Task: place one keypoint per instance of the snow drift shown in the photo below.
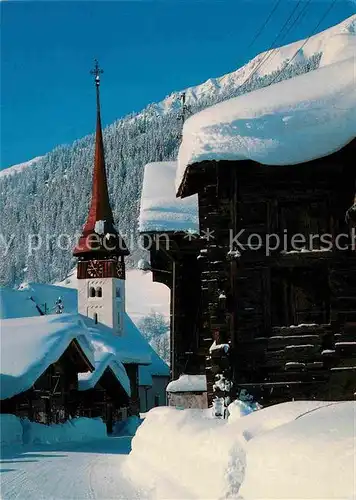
(16, 432)
(75, 430)
(10, 430)
(291, 451)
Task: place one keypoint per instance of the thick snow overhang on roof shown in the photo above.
(132, 347)
(188, 383)
(104, 360)
(295, 121)
(30, 345)
(160, 210)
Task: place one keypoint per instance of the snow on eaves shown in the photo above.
(291, 122)
(188, 383)
(30, 345)
(104, 360)
(160, 210)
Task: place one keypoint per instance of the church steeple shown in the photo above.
(99, 236)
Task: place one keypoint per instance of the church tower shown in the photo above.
(100, 249)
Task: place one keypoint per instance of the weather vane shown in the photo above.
(96, 72)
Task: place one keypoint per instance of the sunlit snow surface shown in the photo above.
(300, 450)
(291, 122)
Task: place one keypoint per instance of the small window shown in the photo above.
(118, 293)
(99, 292)
(91, 291)
(95, 317)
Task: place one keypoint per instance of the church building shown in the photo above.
(100, 249)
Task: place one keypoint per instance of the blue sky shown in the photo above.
(147, 49)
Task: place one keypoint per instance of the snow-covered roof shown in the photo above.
(291, 122)
(30, 345)
(129, 347)
(45, 296)
(160, 210)
(132, 347)
(103, 360)
(15, 305)
(188, 383)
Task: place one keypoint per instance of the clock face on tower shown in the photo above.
(95, 269)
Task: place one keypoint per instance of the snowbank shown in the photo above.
(10, 430)
(75, 430)
(160, 210)
(290, 451)
(185, 454)
(291, 122)
(312, 457)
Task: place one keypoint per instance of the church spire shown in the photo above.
(99, 234)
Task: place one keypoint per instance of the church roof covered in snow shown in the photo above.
(160, 210)
(295, 121)
(132, 347)
(30, 345)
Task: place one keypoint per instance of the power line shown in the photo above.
(260, 31)
(306, 40)
(272, 50)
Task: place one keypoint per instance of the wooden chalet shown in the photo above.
(283, 317)
(39, 377)
(169, 228)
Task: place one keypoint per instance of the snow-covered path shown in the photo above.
(68, 472)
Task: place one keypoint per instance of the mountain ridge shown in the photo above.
(49, 200)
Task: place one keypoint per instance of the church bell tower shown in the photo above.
(100, 249)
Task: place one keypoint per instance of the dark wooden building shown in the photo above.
(50, 389)
(286, 310)
(105, 394)
(169, 228)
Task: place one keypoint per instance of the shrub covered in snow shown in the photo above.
(10, 430)
(77, 429)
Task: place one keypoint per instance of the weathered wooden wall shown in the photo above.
(54, 395)
(251, 298)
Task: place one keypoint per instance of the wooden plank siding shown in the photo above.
(253, 300)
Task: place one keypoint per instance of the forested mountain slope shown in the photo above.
(46, 203)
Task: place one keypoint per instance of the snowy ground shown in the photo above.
(68, 471)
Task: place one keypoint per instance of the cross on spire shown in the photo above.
(97, 71)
